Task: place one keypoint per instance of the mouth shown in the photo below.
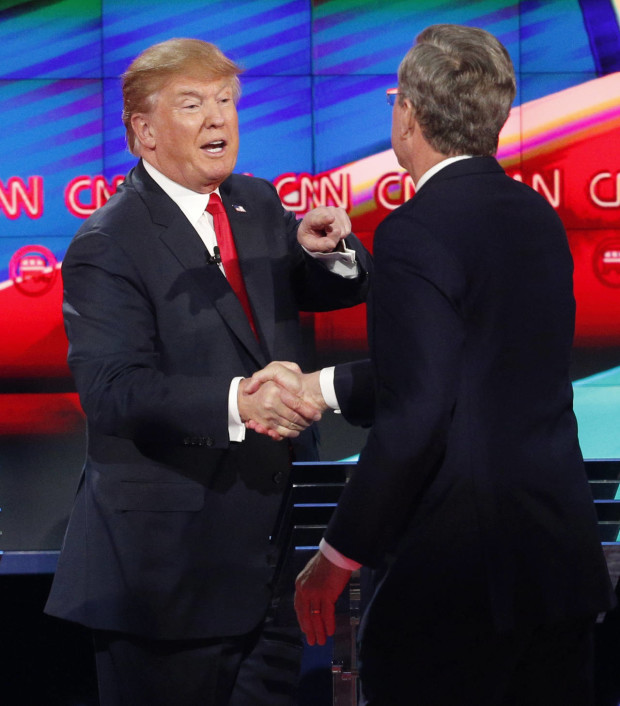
(214, 147)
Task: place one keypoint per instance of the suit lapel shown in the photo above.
(253, 253)
(186, 245)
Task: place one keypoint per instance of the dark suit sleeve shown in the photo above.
(319, 289)
(316, 287)
(417, 338)
(355, 392)
(116, 357)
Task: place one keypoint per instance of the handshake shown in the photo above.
(280, 401)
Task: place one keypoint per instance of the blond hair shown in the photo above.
(154, 67)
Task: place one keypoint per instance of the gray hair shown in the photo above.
(461, 84)
(154, 67)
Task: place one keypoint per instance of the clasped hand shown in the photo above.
(280, 401)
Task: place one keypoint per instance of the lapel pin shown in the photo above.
(238, 208)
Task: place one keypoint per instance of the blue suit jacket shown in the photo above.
(170, 532)
(472, 485)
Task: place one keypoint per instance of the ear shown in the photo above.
(143, 130)
(408, 120)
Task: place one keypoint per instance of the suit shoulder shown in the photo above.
(533, 196)
(408, 238)
(402, 222)
(251, 185)
(407, 234)
(247, 194)
(117, 208)
(124, 212)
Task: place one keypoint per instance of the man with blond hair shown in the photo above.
(180, 287)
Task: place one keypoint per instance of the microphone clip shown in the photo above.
(214, 259)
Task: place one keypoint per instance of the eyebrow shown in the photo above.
(190, 93)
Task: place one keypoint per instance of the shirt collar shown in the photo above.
(437, 168)
(190, 202)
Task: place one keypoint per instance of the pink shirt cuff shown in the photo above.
(337, 558)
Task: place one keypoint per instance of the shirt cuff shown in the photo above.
(326, 381)
(339, 263)
(236, 428)
(336, 557)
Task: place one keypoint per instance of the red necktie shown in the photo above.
(228, 253)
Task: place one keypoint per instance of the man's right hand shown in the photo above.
(275, 402)
(299, 391)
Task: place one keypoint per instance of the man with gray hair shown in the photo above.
(470, 497)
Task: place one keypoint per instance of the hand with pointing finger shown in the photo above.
(323, 228)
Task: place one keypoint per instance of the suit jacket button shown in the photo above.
(209, 441)
(278, 477)
(187, 442)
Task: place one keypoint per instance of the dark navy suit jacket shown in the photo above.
(471, 487)
(170, 533)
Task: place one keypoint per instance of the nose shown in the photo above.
(214, 115)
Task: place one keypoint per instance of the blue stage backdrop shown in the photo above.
(314, 121)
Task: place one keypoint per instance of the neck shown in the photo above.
(423, 157)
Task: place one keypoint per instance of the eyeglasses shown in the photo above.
(391, 95)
